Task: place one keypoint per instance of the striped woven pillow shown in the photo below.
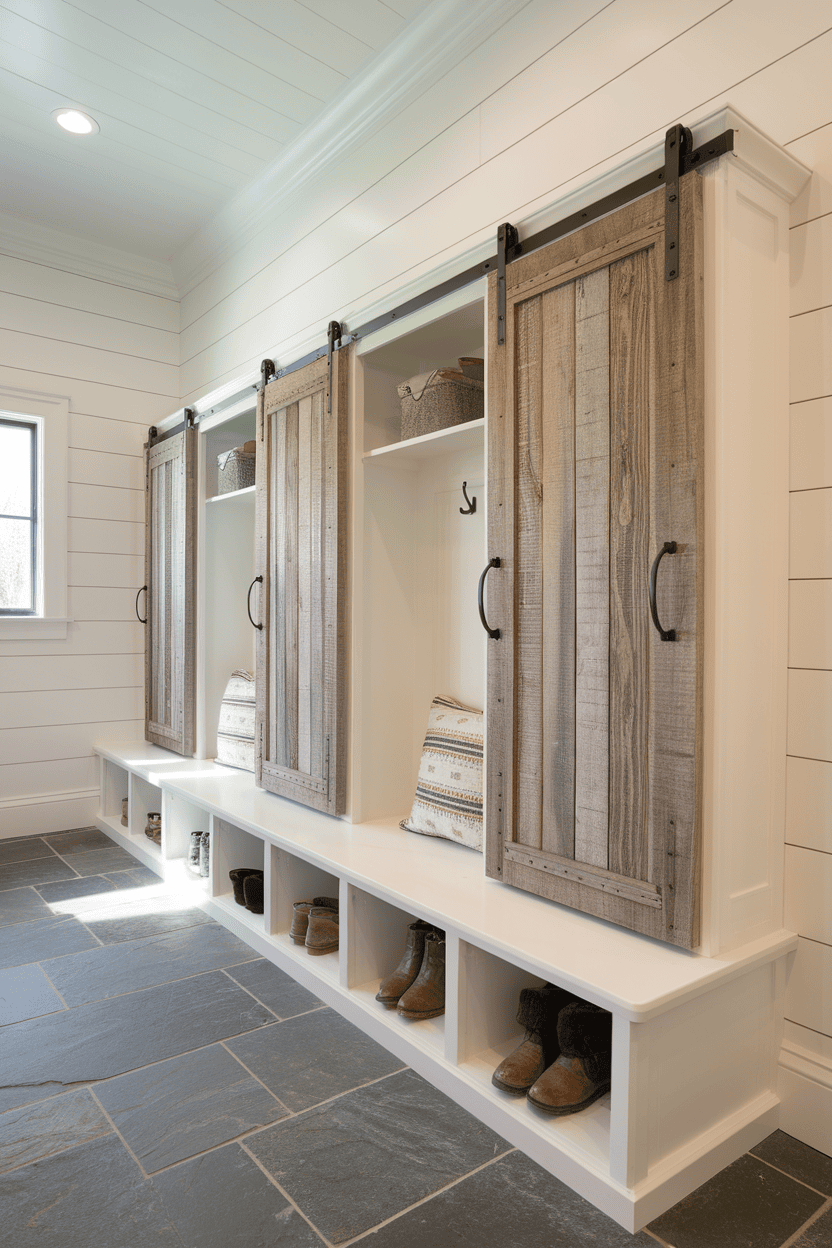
(448, 800)
(235, 731)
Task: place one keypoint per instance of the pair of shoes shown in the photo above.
(417, 986)
(315, 924)
(247, 883)
(564, 1061)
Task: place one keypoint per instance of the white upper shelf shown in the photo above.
(467, 437)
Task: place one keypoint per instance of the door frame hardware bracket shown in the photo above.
(267, 371)
(507, 240)
(189, 415)
(152, 435)
(678, 143)
(333, 335)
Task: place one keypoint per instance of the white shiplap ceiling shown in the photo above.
(195, 99)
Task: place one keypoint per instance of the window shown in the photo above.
(34, 429)
(19, 533)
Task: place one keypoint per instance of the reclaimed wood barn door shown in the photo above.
(301, 555)
(595, 461)
(170, 572)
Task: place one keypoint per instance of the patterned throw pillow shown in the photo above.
(235, 731)
(448, 800)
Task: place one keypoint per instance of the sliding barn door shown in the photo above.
(595, 461)
(301, 555)
(170, 570)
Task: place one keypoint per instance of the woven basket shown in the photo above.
(439, 400)
(235, 468)
(472, 366)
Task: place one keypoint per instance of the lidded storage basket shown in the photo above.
(438, 400)
(235, 468)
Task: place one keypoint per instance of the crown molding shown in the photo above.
(435, 41)
(39, 244)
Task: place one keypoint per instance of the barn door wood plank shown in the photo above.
(264, 644)
(557, 565)
(529, 575)
(631, 401)
(592, 560)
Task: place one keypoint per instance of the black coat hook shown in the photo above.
(472, 502)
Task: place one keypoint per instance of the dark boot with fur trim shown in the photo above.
(582, 1071)
(538, 1013)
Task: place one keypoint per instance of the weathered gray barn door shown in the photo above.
(595, 461)
(170, 571)
(301, 556)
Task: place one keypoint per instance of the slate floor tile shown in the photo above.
(797, 1159)
(136, 877)
(36, 871)
(366, 1156)
(48, 1127)
(312, 1058)
(79, 840)
(512, 1203)
(22, 905)
(97, 861)
(747, 1203)
(195, 1197)
(91, 1042)
(70, 890)
(24, 850)
(130, 965)
(182, 1107)
(117, 921)
(93, 1195)
(25, 992)
(818, 1235)
(44, 938)
(274, 988)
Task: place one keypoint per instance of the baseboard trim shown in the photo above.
(38, 814)
(805, 1086)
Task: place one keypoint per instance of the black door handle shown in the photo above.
(666, 634)
(493, 633)
(138, 595)
(248, 600)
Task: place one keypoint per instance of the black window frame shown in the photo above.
(32, 519)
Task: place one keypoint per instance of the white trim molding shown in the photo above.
(430, 46)
(25, 240)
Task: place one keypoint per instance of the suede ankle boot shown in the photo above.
(405, 973)
(253, 892)
(300, 916)
(425, 998)
(322, 931)
(582, 1071)
(236, 876)
(538, 1014)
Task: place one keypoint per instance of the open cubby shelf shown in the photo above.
(667, 1004)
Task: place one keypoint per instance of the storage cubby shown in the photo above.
(294, 879)
(226, 557)
(144, 798)
(487, 1031)
(234, 847)
(115, 785)
(179, 819)
(377, 937)
(421, 559)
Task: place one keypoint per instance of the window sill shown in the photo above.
(36, 627)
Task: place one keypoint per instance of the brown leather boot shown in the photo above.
(582, 1071)
(394, 985)
(300, 916)
(425, 998)
(538, 1014)
(322, 932)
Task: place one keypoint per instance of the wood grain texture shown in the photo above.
(592, 568)
(170, 571)
(556, 556)
(677, 475)
(528, 359)
(631, 402)
(303, 705)
(262, 567)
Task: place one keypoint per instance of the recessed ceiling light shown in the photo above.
(76, 122)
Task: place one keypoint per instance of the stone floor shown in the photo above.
(160, 1083)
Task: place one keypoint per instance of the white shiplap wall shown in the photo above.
(113, 351)
(807, 1056)
(552, 100)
